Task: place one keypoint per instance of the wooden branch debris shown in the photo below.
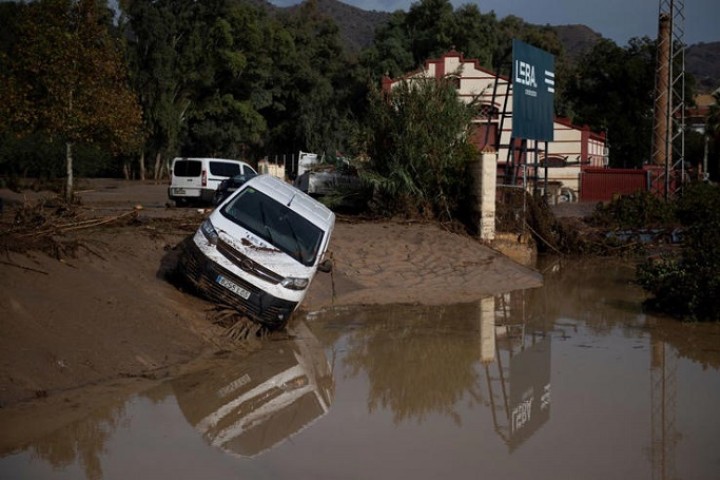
(42, 227)
(29, 269)
(83, 224)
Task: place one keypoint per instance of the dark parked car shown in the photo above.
(227, 187)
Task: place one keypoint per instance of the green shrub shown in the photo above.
(639, 210)
(688, 284)
(419, 150)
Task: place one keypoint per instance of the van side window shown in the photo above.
(222, 169)
(187, 168)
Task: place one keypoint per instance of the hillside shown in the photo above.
(703, 61)
(357, 27)
(577, 39)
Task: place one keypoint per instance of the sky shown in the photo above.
(618, 20)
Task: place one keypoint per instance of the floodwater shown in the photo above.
(567, 381)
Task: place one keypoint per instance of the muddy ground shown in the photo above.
(99, 309)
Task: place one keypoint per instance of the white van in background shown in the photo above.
(194, 180)
(258, 251)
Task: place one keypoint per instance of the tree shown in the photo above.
(164, 58)
(432, 27)
(612, 91)
(225, 118)
(430, 24)
(390, 52)
(67, 78)
(419, 148)
(476, 34)
(200, 70)
(223, 78)
(312, 85)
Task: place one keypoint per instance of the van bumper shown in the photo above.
(204, 195)
(207, 195)
(260, 306)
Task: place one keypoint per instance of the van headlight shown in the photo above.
(209, 231)
(295, 283)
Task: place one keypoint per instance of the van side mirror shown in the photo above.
(326, 266)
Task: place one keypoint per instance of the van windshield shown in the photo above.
(276, 224)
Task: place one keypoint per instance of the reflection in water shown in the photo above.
(82, 442)
(670, 342)
(518, 376)
(528, 407)
(496, 352)
(663, 407)
(431, 366)
(248, 406)
(442, 355)
(699, 342)
(599, 293)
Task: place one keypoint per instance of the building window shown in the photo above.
(488, 110)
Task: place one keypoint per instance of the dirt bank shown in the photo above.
(108, 310)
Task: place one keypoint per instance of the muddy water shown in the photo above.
(570, 380)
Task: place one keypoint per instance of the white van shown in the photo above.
(259, 250)
(196, 179)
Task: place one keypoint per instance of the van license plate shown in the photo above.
(179, 191)
(233, 287)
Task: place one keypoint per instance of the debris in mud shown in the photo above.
(43, 226)
(53, 226)
(238, 327)
(520, 213)
(156, 227)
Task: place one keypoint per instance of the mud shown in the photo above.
(107, 308)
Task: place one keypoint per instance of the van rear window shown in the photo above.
(187, 168)
(222, 169)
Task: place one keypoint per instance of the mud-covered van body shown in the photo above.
(259, 249)
(196, 179)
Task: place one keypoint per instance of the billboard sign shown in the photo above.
(533, 86)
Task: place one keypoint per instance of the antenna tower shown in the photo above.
(668, 142)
